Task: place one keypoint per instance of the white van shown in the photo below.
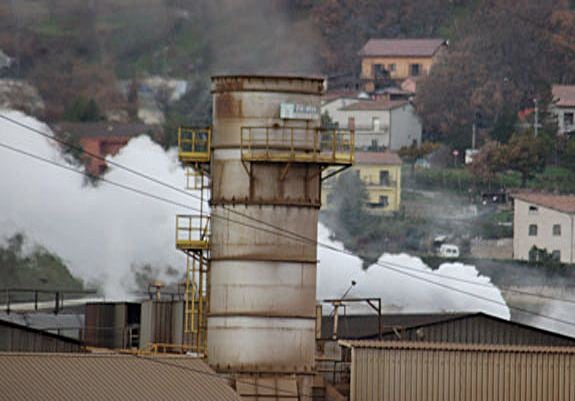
(449, 251)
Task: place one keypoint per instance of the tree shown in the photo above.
(488, 162)
(83, 110)
(411, 154)
(485, 70)
(525, 154)
(349, 198)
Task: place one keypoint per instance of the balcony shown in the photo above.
(194, 145)
(192, 232)
(299, 145)
(379, 184)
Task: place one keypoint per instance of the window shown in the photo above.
(533, 209)
(379, 71)
(415, 69)
(391, 67)
(568, 119)
(384, 178)
(374, 144)
(533, 230)
(383, 201)
(533, 254)
(556, 229)
(556, 255)
(375, 124)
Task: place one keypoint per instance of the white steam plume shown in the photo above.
(100, 232)
(336, 271)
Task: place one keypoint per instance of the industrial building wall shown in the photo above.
(440, 372)
(162, 322)
(480, 330)
(14, 339)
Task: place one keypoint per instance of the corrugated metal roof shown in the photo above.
(361, 326)
(99, 377)
(401, 47)
(412, 345)
(476, 328)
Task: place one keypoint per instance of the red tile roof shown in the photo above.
(104, 128)
(561, 203)
(383, 158)
(564, 95)
(401, 47)
(375, 105)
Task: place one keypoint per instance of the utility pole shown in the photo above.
(473, 133)
(536, 125)
(17, 36)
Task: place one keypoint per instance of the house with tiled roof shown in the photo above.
(563, 107)
(385, 60)
(378, 124)
(544, 223)
(101, 138)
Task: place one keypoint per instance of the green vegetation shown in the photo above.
(461, 180)
(364, 232)
(34, 268)
(83, 110)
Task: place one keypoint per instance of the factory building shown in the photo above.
(402, 371)
(461, 328)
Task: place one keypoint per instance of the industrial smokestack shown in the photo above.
(267, 159)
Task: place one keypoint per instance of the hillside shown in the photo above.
(506, 53)
(29, 266)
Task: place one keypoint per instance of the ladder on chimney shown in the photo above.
(193, 236)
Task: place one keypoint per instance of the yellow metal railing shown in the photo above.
(196, 303)
(157, 348)
(196, 179)
(304, 145)
(194, 144)
(192, 232)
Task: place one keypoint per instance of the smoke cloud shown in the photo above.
(100, 232)
(336, 271)
(260, 36)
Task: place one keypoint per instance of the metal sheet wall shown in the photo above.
(454, 374)
(14, 339)
(480, 330)
(161, 322)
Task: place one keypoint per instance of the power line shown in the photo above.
(292, 235)
(129, 188)
(382, 264)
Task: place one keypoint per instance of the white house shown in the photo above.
(331, 104)
(564, 107)
(379, 124)
(546, 222)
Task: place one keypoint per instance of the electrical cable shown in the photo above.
(292, 234)
(382, 264)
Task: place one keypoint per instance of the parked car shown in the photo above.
(449, 251)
